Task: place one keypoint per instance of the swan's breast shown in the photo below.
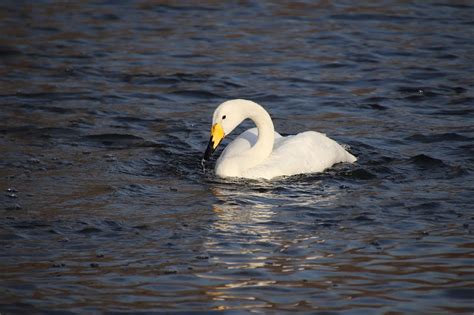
(228, 167)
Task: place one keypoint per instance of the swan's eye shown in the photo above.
(223, 117)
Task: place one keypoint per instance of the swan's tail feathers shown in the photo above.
(351, 158)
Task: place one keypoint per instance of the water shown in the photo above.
(105, 112)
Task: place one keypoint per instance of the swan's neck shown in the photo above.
(266, 135)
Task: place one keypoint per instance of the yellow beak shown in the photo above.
(217, 134)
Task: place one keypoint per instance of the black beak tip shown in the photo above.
(209, 151)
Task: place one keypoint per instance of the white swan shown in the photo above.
(263, 153)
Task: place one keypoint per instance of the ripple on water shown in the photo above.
(105, 117)
(117, 141)
(451, 136)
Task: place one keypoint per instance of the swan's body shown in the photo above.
(263, 153)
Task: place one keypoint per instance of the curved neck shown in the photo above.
(266, 133)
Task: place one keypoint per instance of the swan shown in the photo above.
(262, 153)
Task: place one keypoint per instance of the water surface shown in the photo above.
(105, 112)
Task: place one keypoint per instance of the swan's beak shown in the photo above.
(217, 134)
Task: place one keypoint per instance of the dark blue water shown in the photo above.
(105, 110)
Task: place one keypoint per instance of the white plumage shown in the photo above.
(263, 153)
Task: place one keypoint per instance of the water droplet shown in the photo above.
(34, 161)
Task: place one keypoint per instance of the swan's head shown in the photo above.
(226, 117)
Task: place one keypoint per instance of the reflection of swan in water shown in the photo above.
(259, 213)
(249, 218)
(258, 237)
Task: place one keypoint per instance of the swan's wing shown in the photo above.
(243, 142)
(306, 152)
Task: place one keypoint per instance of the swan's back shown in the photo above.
(306, 152)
